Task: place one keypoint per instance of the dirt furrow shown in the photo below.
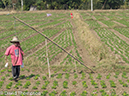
(103, 25)
(93, 18)
(116, 55)
(120, 24)
(57, 60)
(2, 31)
(88, 14)
(120, 35)
(96, 34)
(41, 45)
(29, 37)
(59, 23)
(106, 18)
(11, 35)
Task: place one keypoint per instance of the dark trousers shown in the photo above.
(16, 71)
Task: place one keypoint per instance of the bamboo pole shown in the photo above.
(15, 26)
(47, 59)
(53, 43)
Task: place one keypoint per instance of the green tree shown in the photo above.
(7, 3)
(1, 4)
(112, 4)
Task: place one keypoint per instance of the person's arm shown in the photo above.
(7, 61)
(7, 53)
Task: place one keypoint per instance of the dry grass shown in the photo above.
(35, 26)
(2, 28)
(20, 27)
(98, 51)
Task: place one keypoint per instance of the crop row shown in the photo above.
(42, 82)
(34, 17)
(21, 27)
(119, 75)
(113, 17)
(119, 13)
(65, 39)
(93, 24)
(125, 17)
(110, 15)
(86, 17)
(31, 42)
(125, 22)
(31, 17)
(5, 42)
(123, 31)
(110, 23)
(18, 25)
(35, 40)
(115, 43)
(52, 48)
(100, 18)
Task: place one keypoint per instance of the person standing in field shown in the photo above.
(16, 53)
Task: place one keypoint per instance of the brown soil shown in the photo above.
(96, 35)
(78, 88)
(103, 25)
(106, 18)
(41, 45)
(88, 14)
(121, 36)
(93, 18)
(59, 58)
(120, 24)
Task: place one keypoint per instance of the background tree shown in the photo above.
(1, 4)
(112, 4)
(66, 4)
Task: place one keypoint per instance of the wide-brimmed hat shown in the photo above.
(15, 39)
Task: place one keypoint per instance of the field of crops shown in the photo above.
(68, 77)
(65, 84)
(116, 20)
(57, 26)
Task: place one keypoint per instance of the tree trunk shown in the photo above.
(13, 6)
(104, 4)
(22, 5)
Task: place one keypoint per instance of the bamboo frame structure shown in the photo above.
(54, 43)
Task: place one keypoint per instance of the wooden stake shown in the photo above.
(47, 59)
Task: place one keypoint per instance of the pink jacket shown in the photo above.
(16, 54)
